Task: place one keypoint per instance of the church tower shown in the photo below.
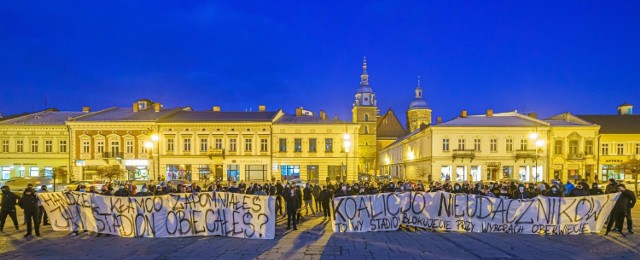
(419, 113)
(365, 113)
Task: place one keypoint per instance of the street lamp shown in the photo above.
(346, 143)
(539, 143)
(150, 145)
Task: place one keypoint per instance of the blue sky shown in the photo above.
(534, 56)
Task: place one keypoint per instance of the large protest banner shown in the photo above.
(174, 215)
(470, 213)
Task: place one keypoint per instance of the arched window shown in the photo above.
(366, 117)
(366, 129)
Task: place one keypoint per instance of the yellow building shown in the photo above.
(33, 144)
(365, 113)
(572, 145)
(477, 147)
(418, 113)
(315, 148)
(619, 141)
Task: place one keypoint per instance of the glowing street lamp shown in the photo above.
(346, 143)
(539, 143)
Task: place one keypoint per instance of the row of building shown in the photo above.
(149, 141)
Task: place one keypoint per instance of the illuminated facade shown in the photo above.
(365, 113)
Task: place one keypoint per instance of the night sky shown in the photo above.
(533, 56)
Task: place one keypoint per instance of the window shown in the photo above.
(620, 149)
(115, 148)
(204, 144)
(637, 148)
(34, 171)
(366, 130)
(366, 117)
(248, 144)
(100, 146)
(588, 147)
(573, 147)
(232, 145)
(557, 147)
(5, 146)
(461, 144)
(48, 146)
(290, 172)
(328, 145)
(85, 146)
(297, 145)
(218, 143)
(170, 145)
(264, 145)
(63, 146)
(524, 143)
(34, 146)
(605, 149)
(19, 146)
(282, 144)
(129, 146)
(445, 145)
(494, 145)
(312, 145)
(187, 145)
(204, 172)
(476, 144)
(256, 172)
(509, 145)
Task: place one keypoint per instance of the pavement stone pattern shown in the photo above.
(315, 239)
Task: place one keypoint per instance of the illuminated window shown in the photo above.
(297, 145)
(328, 145)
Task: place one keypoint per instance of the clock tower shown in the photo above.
(365, 113)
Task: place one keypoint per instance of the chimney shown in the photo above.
(438, 120)
(489, 112)
(533, 115)
(216, 108)
(156, 107)
(262, 108)
(323, 115)
(299, 111)
(135, 107)
(463, 113)
(86, 109)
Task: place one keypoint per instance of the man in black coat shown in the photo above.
(279, 192)
(619, 210)
(325, 200)
(632, 203)
(611, 187)
(293, 204)
(316, 196)
(8, 207)
(29, 202)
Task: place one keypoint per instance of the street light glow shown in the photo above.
(540, 143)
(533, 136)
(148, 145)
(155, 137)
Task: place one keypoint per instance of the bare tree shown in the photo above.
(631, 167)
(110, 172)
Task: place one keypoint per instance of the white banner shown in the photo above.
(174, 215)
(470, 213)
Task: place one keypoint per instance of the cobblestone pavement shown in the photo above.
(316, 240)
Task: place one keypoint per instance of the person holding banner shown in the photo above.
(29, 202)
(619, 210)
(8, 207)
(42, 214)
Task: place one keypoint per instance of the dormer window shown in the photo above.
(142, 105)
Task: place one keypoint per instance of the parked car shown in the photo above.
(298, 183)
(382, 178)
(74, 185)
(364, 177)
(18, 185)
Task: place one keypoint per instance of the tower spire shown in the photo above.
(419, 89)
(364, 77)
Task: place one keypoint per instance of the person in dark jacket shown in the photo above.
(144, 192)
(293, 204)
(457, 188)
(325, 200)
(298, 192)
(521, 193)
(504, 193)
(612, 186)
(343, 191)
(619, 210)
(122, 192)
(595, 190)
(29, 202)
(316, 196)
(579, 191)
(8, 207)
(630, 205)
(554, 192)
(308, 199)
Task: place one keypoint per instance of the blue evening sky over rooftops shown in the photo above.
(544, 56)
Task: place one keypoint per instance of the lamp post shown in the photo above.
(150, 145)
(539, 143)
(346, 143)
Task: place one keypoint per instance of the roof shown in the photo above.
(124, 114)
(508, 119)
(615, 124)
(46, 117)
(219, 116)
(306, 119)
(625, 104)
(389, 126)
(567, 119)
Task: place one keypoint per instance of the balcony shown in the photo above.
(526, 154)
(576, 157)
(462, 154)
(216, 153)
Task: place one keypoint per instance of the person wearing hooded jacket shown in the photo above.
(521, 193)
(579, 191)
(619, 210)
(554, 192)
(8, 207)
(457, 188)
(595, 190)
(29, 202)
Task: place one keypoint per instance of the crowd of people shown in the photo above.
(293, 198)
